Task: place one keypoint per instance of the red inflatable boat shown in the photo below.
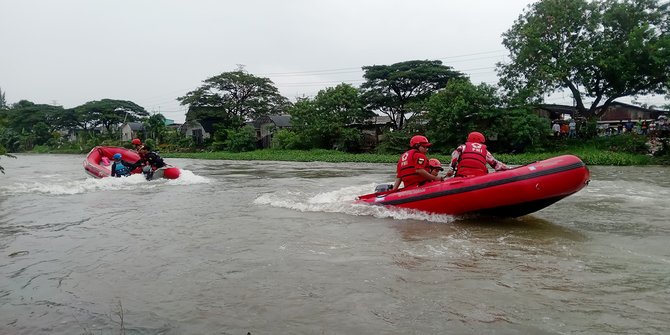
(98, 163)
(509, 193)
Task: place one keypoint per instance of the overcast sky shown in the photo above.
(68, 52)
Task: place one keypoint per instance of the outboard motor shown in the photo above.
(383, 188)
(148, 172)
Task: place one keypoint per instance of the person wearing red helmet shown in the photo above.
(434, 166)
(470, 159)
(412, 168)
(137, 143)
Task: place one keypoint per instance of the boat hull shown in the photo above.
(512, 193)
(99, 160)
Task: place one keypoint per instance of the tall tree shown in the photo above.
(3, 101)
(25, 115)
(601, 49)
(461, 108)
(393, 89)
(155, 126)
(108, 112)
(231, 98)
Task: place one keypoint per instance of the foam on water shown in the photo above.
(55, 185)
(188, 178)
(343, 201)
(626, 191)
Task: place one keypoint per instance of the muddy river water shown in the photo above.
(237, 247)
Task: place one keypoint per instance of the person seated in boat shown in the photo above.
(137, 144)
(121, 168)
(150, 160)
(412, 168)
(149, 157)
(434, 166)
(470, 159)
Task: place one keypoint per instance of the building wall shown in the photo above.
(621, 112)
(266, 129)
(196, 131)
(127, 133)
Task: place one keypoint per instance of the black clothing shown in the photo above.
(154, 160)
(151, 162)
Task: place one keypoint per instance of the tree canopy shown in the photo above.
(602, 50)
(394, 89)
(463, 107)
(155, 126)
(3, 100)
(231, 98)
(24, 115)
(108, 112)
(323, 121)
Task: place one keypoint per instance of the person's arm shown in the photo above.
(455, 155)
(129, 165)
(114, 169)
(426, 175)
(139, 162)
(396, 184)
(495, 164)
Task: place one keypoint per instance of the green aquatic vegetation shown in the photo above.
(291, 155)
(590, 156)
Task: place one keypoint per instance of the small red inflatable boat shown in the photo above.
(509, 193)
(98, 163)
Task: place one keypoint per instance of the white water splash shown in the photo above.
(62, 187)
(343, 201)
(188, 178)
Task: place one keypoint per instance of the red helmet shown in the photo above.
(419, 140)
(136, 141)
(434, 163)
(476, 137)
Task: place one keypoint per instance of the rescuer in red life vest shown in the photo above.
(470, 159)
(412, 166)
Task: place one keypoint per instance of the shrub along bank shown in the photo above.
(614, 150)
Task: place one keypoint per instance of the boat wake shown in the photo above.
(55, 185)
(343, 201)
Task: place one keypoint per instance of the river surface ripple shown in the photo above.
(237, 247)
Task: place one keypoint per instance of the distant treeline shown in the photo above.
(577, 46)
